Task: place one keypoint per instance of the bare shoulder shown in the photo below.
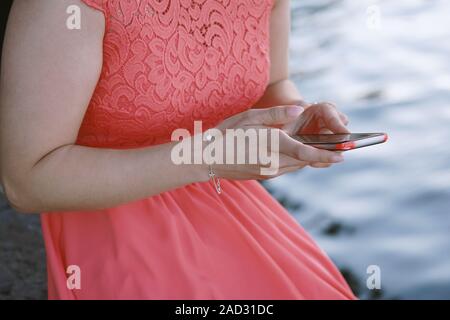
(54, 17)
(49, 71)
(41, 33)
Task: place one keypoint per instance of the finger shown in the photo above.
(286, 161)
(300, 151)
(331, 104)
(319, 165)
(344, 118)
(273, 116)
(303, 103)
(301, 122)
(333, 121)
(311, 154)
(280, 161)
(325, 131)
(290, 169)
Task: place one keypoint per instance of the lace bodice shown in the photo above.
(168, 63)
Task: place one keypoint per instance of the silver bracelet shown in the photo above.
(215, 180)
(212, 176)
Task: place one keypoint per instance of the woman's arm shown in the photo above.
(48, 76)
(281, 90)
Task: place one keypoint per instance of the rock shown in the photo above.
(6, 281)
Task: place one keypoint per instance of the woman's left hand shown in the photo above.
(319, 118)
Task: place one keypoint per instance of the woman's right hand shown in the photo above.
(292, 154)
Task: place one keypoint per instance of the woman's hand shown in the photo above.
(293, 155)
(319, 118)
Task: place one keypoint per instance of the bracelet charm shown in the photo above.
(215, 180)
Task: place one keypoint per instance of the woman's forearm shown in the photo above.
(283, 92)
(74, 178)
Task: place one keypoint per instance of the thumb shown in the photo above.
(279, 115)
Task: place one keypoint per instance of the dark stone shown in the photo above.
(6, 281)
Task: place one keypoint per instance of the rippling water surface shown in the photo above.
(387, 65)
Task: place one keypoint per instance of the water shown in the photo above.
(388, 205)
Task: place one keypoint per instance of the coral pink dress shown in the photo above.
(166, 64)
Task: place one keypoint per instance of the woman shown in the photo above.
(86, 121)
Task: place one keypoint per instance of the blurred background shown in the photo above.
(386, 64)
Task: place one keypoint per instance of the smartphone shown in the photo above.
(342, 141)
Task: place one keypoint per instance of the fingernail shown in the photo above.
(295, 111)
(337, 158)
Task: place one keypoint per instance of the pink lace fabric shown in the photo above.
(170, 62)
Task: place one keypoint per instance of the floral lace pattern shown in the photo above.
(168, 63)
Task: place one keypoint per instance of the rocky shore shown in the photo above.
(22, 255)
